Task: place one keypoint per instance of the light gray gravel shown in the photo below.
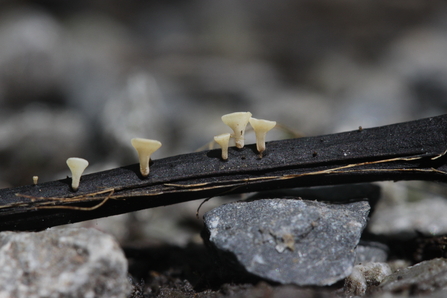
(71, 262)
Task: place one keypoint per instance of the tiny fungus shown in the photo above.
(77, 167)
(223, 141)
(35, 179)
(261, 127)
(237, 122)
(145, 148)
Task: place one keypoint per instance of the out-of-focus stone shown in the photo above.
(426, 216)
(368, 251)
(418, 52)
(96, 60)
(364, 277)
(38, 141)
(366, 105)
(62, 263)
(307, 113)
(424, 277)
(136, 110)
(288, 240)
(416, 56)
(32, 57)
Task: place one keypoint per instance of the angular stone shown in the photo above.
(69, 262)
(288, 240)
(424, 277)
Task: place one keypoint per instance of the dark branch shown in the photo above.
(406, 151)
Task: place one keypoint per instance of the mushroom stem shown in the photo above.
(261, 127)
(237, 122)
(144, 164)
(77, 167)
(223, 141)
(145, 148)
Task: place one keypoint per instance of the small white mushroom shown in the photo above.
(261, 127)
(77, 167)
(237, 122)
(35, 179)
(145, 148)
(223, 141)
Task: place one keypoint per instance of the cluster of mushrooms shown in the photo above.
(238, 122)
(145, 147)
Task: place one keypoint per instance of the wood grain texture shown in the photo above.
(406, 151)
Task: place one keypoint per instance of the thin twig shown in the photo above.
(414, 150)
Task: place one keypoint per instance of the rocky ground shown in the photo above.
(83, 78)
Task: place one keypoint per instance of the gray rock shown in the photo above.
(288, 240)
(424, 277)
(62, 263)
(369, 251)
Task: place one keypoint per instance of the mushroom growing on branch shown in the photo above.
(261, 127)
(145, 148)
(77, 167)
(223, 141)
(237, 122)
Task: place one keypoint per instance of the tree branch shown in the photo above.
(413, 150)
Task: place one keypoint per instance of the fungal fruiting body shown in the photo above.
(261, 127)
(35, 179)
(145, 148)
(237, 122)
(77, 167)
(223, 141)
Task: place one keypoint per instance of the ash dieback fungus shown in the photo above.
(77, 166)
(261, 127)
(145, 148)
(223, 140)
(237, 122)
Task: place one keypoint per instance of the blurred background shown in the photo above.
(81, 78)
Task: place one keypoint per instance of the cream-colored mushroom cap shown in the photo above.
(145, 148)
(223, 141)
(237, 122)
(261, 127)
(77, 166)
